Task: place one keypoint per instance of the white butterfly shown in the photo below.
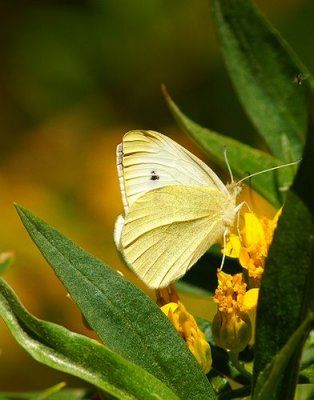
(175, 207)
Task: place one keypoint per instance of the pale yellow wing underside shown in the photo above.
(147, 160)
(167, 229)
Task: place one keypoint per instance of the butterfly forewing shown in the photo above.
(167, 229)
(148, 160)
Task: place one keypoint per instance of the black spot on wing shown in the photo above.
(154, 176)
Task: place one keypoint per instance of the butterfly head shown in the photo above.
(234, 188)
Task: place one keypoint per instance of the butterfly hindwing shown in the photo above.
(167, 229)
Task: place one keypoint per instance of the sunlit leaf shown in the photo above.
(243, 159)
(65, 394)
(47, 394)
(286, 293)
(264, 72)
(267, 382)
(307, 375)
(78, 355)
(124, 318)
(6, 260)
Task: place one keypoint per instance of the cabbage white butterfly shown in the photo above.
(175, 207)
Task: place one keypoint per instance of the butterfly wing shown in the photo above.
(147, 160)
(167, 229)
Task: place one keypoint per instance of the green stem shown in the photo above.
(234, 359)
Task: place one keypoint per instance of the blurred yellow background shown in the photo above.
(75, 76)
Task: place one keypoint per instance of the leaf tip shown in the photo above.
(20, 210)
(164, 91)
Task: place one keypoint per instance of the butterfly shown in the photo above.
(175, 207)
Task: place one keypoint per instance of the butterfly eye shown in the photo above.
(153, 176)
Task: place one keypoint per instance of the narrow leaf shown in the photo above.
(266, 75)
(78, 355)
(65, 394)
(267, 381)
(286, 293)
(188, 288)
(6, 260)
(307, 375)
(48, 393)
(243, 159)
(124, 318)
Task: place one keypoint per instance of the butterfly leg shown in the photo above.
(237, 210)
(224, 252)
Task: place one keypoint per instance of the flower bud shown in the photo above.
(187, 327)
(232, 331)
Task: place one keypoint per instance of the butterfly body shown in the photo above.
(175, 207)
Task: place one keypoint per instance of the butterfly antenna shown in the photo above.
(269, 169)
(227, 163)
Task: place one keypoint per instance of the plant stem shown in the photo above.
(234, 359)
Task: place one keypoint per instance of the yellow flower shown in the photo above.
(250, 302)
(233, 246)
(230, 292)
(231, 324)
(253, 245)
(187, 327)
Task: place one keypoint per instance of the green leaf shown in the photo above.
(264, 72)
(65, 394)
(243, 159)
(308, 352)
(78, 355)
(6, 260)
(307, 375)
(305, 392)
(188, 288)
(124, 318)
(48, 393)
(206, 328)
(220, 383)
(286, 293)
(74, 394)
(267, 381)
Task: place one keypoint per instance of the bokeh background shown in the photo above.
(74, 76)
